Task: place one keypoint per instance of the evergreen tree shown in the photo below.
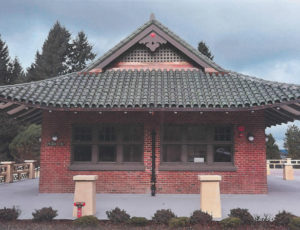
(53, 59)
(16, 72)
(272, 148)
(81, 53)
(4, 64)
(203, 48)
(292, 141)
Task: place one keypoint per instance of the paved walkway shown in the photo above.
(283, 195)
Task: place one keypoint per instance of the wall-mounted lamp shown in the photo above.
(54, 137)
(267, 139)
(250, 137)
(40, 139)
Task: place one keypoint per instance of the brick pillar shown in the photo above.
(31, 168)
(210, 195)
(85, 191)
(9, 171)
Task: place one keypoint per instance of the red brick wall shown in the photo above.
(249, 158)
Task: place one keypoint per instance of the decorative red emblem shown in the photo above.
(152, 35)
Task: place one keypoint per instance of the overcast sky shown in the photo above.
(260, 38)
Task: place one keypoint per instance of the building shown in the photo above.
(154, 98)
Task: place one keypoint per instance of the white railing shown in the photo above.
(278, 163)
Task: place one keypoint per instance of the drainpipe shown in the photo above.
(153, 176)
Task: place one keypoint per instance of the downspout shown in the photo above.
(153, 176)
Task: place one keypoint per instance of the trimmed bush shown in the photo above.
(179, 222)
(8, 214)
(163, 216)
(199, 217)
(231, 222)
(283, 218)
(86, 221)
(242, 214)
(294, 223)
(44, 214)
(118, 216)
(138, 221)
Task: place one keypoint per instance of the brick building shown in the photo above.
(154, 98)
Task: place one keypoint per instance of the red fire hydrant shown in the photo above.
(79, 206)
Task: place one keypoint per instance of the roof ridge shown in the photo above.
(253, 78)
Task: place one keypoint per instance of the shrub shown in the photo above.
(294, 223)
(283, 218)
(44, 214)
(243, 214)
(7, 214)
(179, 222)
(199, 217)
(118, 216)
(138, 221)
(231, 222)
(86, 221)
(163, 216)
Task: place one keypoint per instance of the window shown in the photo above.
(108, 144)
(197, 144)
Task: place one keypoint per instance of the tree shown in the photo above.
(272, 148)
(81, 53)
(292, 141)
(8, 130)
(53, 59)
(16, 72)
(203, 48)
(26, 144)
(4, 63)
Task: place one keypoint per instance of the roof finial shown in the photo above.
(152, 17)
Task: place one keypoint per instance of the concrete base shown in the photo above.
(85, 191)
(288, 172)
(210, 195)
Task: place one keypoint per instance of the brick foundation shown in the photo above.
(249, 158)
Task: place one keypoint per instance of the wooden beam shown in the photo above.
(29, 111)
(290, 110)
(275, 117)
(4, 106)
(16, 110)
(287, 116)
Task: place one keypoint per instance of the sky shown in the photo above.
(255, 37)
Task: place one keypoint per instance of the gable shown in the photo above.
(153, 38)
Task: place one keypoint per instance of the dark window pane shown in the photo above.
(133, 133)
(132, 153)
(172, 133)
(222, 154)
(196, 153)
(223, 133)
(82, 152)
(196, 133)
(107, 133)
(172, 153)
(82, 134)
(107, 153)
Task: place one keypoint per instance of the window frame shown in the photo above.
(95, 164)
(210, 143)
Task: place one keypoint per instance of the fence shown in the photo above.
(278, 163)
(12, 172)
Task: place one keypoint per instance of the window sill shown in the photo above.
(107, 167)
(218, 167)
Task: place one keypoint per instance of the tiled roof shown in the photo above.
(167, 31)
(151, 89)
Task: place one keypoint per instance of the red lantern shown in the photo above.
(241, 130)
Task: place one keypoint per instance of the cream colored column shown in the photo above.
(210, 195)
(85, 191)
(288, 171)
(9, 171)
(31, 168)
(268, 167)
